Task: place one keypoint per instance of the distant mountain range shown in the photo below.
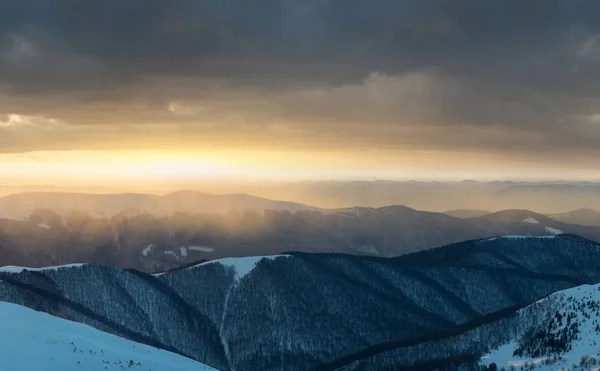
(587, 217)
(461, 305)
(541, 197)
(465, 213)
(18, 206)
(154, 233)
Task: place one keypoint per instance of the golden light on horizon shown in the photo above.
(146, 170)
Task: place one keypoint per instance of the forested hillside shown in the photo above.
(302, 311)
(133, 238)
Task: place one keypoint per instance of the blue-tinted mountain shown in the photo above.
(303, 311)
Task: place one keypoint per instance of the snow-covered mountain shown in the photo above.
(302, 311)
(566, 334)
(36, 341)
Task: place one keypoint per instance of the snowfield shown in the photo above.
(37, 341)
(579, 323)
(16, 269)
(517, 237)
(553, 231)
(147, 250)
(243, 266)
(531, 220)
(201, 248)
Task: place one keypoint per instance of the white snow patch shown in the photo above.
(553, 231)
(43, 225)
(517, 237)
(530, 220)
(33, 340)
(17, 269)
(201, 248)
(242, 266)
(183, 251)
(576, 302)
(523, 237)
(169, 252)
(147, 250)
(503, 357)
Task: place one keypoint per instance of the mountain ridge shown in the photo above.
(279, 303)
(133, 238)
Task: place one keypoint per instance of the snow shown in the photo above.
(530, 220)
(183, 251)
(201, 248)
(517, 237)
(503, 357)
(553, 231)
(522, 237)
(242, 266)
(586, 344)
(169, 252)
(43, 225)
(147, 250)
(31, 340)
(16, 269)
(353, 211)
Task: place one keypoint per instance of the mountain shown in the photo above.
(525, 222)
(149, 242)
(542, 197)
(564, 334)
(558, 332)
(302, 311)
(465, 213)
(584, 216)
(18, 206)
(31, 340)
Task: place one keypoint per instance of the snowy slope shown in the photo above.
(31, 340)
(17, 269)
(241, 266)
(569, 336)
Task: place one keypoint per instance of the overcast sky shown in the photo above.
(374, 87)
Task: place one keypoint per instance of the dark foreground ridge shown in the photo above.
(318, 311)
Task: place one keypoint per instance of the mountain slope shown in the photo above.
(31, 340)
(585, 216)
(302, 311)
(150, 242)
(568, 334)
(560, 331)
(542, 197)
(19, 206)
(466, 213)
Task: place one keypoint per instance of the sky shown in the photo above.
(117, 91)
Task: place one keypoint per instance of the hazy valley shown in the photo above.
(154, 233)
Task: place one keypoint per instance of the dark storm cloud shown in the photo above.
(528, 66)
(273, 39)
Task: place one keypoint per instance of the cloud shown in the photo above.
(18, 50)
(503, 77)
